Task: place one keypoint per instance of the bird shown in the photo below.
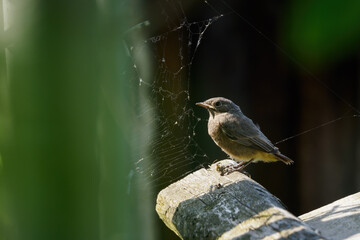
(238, 136)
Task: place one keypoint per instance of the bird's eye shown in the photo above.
(218, 104)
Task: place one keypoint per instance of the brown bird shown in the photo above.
(238, 136)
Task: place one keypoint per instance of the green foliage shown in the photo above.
(323, 31)
(66, 125)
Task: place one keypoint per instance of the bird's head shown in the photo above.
(219, 105)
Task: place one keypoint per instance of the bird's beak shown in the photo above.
(202, 104)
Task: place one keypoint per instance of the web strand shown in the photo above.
(315, 128)
(172, 150)
(291, 58)
(297, 63)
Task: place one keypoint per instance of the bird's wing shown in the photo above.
(245, 132)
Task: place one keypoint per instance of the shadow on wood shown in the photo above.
(206, 205)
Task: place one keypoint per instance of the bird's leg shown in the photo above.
(245, 165)
(233, 168)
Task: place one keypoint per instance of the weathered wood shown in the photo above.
(338, 220)
(206, 205)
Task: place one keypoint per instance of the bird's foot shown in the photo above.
(226, 170)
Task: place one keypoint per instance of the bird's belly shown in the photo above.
(240, 152)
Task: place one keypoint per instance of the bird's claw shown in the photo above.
(224, 170)
(227, 169)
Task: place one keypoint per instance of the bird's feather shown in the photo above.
(242, 130)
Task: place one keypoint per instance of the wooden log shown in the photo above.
(338, 220)
(206, 205)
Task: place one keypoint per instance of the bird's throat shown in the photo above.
(211, 112)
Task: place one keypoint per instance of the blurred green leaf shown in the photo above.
(323, 31)
(65, 125)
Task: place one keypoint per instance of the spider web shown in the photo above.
(171, 147)
(172, 150)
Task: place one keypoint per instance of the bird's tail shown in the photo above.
(284, 158)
